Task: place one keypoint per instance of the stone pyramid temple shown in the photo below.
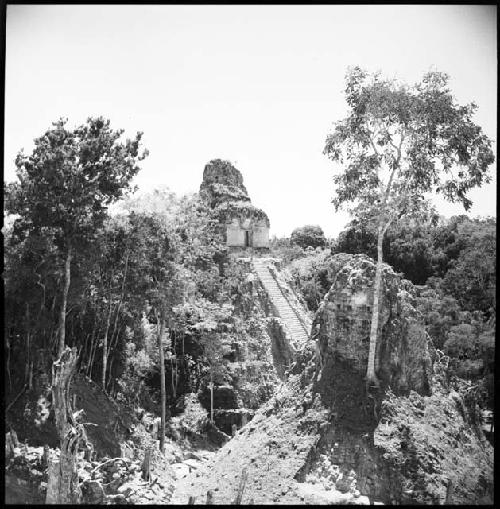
(243, 224)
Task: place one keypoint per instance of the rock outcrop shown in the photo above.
(342, 329)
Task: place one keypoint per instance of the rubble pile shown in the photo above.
(106, 481)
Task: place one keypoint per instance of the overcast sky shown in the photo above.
(258, 85)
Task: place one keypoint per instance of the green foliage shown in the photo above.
(465, 336)
(399, 142)
(312, 277)
(282, 248)
(137, 366)
(309, 235)
(407, 245)
(460, 250)
(440, 312)
(64, 188)
(471, 277)
(470, 345)
(242, 210)
(71, 178)
(460, 342)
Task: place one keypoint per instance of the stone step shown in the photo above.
(291, 321)
(280, 303)
(296, 332)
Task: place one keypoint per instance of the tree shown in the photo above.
(308, 235)
(397, 144)
(471, 277)
(66, 185)
(62, 486)
(157, 280)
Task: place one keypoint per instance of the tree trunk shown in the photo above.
(110, 377)
(16, 398)
(93, 349)
(62, 317)
(105, 348)
(162, 384)
(112, 344)
(173, 366)
(211, 385)
(28, 345)
(62, 485)
(30, 376)
(115, 333)
(371, 378)
(11, 442)
(146, 465)
(7, 345)
(173, 376)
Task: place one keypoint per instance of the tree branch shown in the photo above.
(373, 145)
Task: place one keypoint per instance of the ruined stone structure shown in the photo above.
(322, 439)
(342, 329)
(243, 225)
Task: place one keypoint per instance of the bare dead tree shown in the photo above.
(62, 487)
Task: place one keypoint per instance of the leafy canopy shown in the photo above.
(71, 177)
(308, 235)
(399, 142)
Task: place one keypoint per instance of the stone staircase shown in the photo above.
(285, 311)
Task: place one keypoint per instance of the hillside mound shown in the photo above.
(110, 425)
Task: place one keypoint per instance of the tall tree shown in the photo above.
(157, 281)
(66, 185)
(397, 144)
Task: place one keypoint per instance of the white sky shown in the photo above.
(257, 85)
